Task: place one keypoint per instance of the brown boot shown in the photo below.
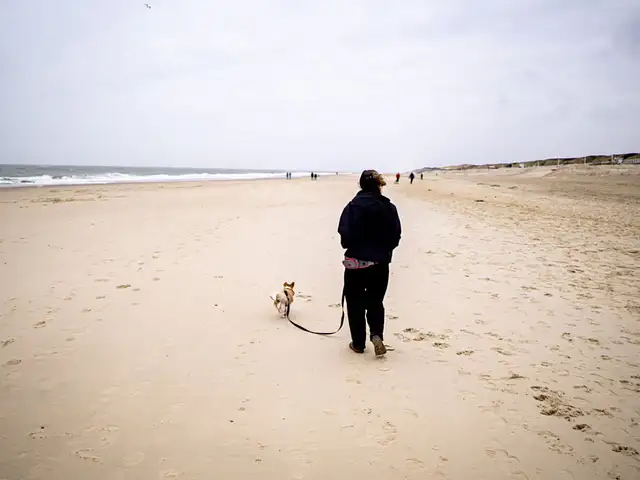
(378, 346)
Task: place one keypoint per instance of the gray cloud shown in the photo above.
(323, 85)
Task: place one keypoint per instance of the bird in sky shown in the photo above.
(148, 6)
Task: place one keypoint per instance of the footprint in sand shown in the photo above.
(7, 342)
(589, 459)
(415, 463)
(493, 453)
(38, 435)
(441, 345)
(413, 334)
(40, 324)
(623, 449)
(389, 434)
(583, 387)
(494, 406)
(582, 427)
(86, 454)
(555, 444)
(13, 362)
(631, 386)
(502, 351)
(567, 336)
(602, 411)
(465, 352)
(171, 474)
(552, 403)
(412, 413)
(353, 379)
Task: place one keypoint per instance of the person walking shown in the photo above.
(370, 230)
(421, 175)
(412, 177)
(397, 178)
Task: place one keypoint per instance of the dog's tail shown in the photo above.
(275, 302)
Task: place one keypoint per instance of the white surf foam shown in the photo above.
(107, 178)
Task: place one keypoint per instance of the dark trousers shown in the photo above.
(364, 291)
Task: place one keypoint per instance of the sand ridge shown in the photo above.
(139, 341)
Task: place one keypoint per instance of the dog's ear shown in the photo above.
(293, 284)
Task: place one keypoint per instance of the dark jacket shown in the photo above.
(369, 227)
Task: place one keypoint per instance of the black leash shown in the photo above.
(318, 333)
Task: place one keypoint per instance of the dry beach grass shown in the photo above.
(138, 339)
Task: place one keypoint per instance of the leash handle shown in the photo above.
(319, 333)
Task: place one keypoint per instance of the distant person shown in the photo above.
(421, 175)
(411, 178)
(397, 178)
(369, 230)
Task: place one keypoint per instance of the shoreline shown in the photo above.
(161, 182)
(17, 176)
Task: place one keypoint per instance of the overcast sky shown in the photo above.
(324, 84)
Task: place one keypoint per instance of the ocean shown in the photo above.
(46, 175)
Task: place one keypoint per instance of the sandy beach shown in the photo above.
(138, 340)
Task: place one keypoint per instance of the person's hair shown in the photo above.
(371, 181)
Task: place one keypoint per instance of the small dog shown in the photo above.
(283, 300)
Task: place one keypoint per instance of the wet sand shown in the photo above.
(138, 339)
